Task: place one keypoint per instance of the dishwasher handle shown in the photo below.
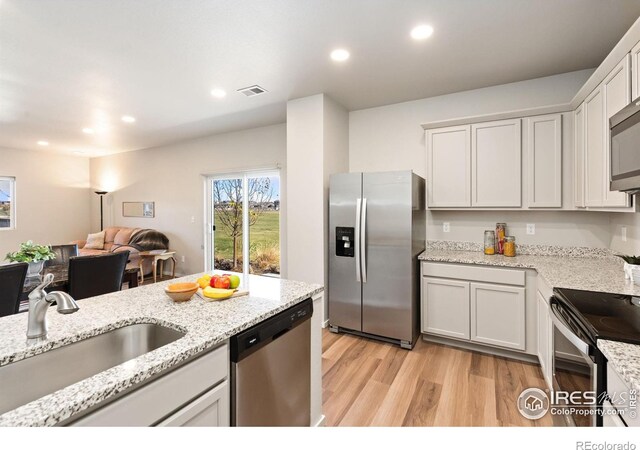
(249, 341)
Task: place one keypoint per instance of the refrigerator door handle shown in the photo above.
(356, 244)
(363, 240)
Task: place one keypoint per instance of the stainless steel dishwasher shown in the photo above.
(271, 370)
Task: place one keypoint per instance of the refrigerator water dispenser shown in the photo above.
(345, 241)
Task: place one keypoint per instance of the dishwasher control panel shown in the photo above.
(248, 341)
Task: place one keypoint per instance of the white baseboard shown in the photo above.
(321, 422)
(325, 324)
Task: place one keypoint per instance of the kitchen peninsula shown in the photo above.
(207, 328)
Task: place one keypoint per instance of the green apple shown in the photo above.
(234, 279)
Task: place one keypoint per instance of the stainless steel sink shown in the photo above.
(29, 379)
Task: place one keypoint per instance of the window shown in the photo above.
(244, 223)
(7, 203)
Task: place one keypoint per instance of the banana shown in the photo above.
(217, 294)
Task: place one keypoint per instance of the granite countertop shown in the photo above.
(625, 359)
(206, 324)
(597, 273)
(561, 267)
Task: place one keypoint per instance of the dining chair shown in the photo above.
(12, 278)
(63, 253)
(96, 275)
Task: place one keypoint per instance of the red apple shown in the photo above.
(222, 282)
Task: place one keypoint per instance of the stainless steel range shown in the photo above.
(580, 319)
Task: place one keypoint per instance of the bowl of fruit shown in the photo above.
(181, 292)
(219, 287)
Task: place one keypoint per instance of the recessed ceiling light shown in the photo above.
(43, 143)
(128, 119)
(218, 93)
(87, 130)
(421, 32)
(340, 54)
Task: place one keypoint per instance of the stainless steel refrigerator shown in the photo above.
(377, 230)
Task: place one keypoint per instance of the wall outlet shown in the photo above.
(531, 228)
(445, 227)
(193, 219)
(182, 259)
(623, 233)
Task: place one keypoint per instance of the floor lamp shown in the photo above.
(101, 194)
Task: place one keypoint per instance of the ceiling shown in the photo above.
(70, 64)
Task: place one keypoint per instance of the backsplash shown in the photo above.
(556, 228)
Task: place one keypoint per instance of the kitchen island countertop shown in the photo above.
(206, 324)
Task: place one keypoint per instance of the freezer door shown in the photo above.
(387, 303)
(345, 291)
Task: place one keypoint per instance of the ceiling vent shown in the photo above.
(252, 91)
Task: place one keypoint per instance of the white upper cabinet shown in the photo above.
(594, 149)
(449, 166)
(496, 151)
(616, 90)
(544, 161)
(592, 138)
(578, 157)
(635, 72)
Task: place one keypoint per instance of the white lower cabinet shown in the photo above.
(445, 307)
(498, 315)
(626, 406)
(611, 418)
(209, 410)
(194, 394)
(545, 339)
(485, 313)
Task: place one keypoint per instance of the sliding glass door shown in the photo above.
(243, 229)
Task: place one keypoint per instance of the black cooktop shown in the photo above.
(614, 317)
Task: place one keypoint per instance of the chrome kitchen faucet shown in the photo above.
(39, 302)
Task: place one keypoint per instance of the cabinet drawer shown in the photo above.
(152, 402)
(619, 392)
(474, 273)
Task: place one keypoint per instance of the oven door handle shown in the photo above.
(566, 331)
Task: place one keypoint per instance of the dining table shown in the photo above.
(60, 281)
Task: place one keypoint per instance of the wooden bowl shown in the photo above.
(181, 292)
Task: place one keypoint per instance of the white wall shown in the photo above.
(172, 177)
(52, 198)
(564, 228)
(631, 221)
(317, 145)
(391, 138)
(336, 160)
(305, 161)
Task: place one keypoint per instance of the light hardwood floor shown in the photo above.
(368, 383)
